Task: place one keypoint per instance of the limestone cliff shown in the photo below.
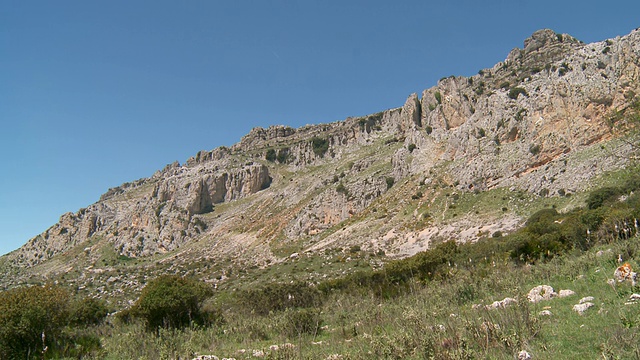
(534, 125)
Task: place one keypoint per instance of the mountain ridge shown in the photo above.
(535, 127)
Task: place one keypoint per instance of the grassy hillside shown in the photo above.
(440, 304)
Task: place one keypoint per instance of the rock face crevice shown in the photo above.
(514, 125)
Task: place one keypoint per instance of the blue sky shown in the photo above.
(97, 93)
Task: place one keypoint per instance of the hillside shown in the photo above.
(469, 158)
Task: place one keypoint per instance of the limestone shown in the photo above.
(624, 273)
(501, 304)
(582, 307)
(565, 293)
(541, 293)
(524, 355)
(586, 299)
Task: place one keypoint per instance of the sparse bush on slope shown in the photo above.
(88, 311)
(172, 302)
(277, 297)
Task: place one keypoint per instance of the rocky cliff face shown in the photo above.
(152, 215)
(532, 124)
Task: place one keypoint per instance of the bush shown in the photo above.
(541, 221)
(278, 297)
(32, 318)
(172, 302)
(320, 146)
(411, 147)
(438, 97)
(88, 311)
(592, 218)
(423, 266)
(535, 149)
(390, 181)
(341, 189)
(302, 321)
(283, 155)
(270, 155)
(598, 197)
(514, 92)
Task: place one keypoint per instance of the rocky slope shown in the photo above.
(467, 158)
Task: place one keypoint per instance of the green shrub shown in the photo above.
(411, 147)
(301, 321)
(88, 311)
(366, 282)
(428, 129)
(631, 184)
(32, 318)
(270, 155)
(283, 155)
(598, 197)
(535, 149)
(520, 114)
(320, 146)
(390, 181)
(278, 297)
(362, 123)
(541, 221)
(592, 218)
(172, 302)
(564, 68)
(342, 190)
(423, 266)
(514, 92)
(438, 97)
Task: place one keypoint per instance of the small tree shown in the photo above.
(31, 320)
(172, 302)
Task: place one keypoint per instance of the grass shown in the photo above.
(438, 315)
(429, 319)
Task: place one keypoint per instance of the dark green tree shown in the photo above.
(31, 320)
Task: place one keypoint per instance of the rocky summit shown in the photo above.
(468, 158)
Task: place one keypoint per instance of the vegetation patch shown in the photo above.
(516, 91)
(319, 146)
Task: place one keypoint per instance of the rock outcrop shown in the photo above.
(384, 182)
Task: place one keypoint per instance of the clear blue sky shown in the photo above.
(97, 93)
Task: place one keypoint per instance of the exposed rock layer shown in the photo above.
(515, 126)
